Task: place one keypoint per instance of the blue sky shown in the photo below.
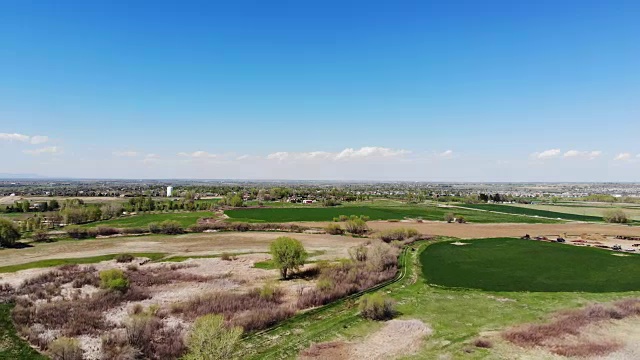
(395, 90)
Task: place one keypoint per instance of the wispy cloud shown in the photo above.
(547, 154)
(39, 139)
(623, 156)
(446, 154)
(200, 155)
(125, 153)
(14, 137)
(576, 154)
(45, 150)
(366, 152)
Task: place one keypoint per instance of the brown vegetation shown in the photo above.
(571, 323)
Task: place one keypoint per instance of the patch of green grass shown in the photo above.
(11, 345)
(143, 220)
(456, 316)
(69, 261)
(533, 212)
(374, 213)
(506, 264)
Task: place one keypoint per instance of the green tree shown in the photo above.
(287, 254)
(236, 201)
(210, 339)
(616, 216)
(9, 233)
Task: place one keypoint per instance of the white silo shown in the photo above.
(169, 191)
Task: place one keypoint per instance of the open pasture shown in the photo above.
(530, 211)
(142, 220)
(507, 264)
(585, 209)
(374, 213)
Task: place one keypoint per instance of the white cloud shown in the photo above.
(45, 150)
(622, 157)
(199, 155)
(39, 139)
(447, 153)
(547, 154)
(125, 153)
(370, 151)
(14, 137)
(151, 159)
(590, 155)
(344, 155)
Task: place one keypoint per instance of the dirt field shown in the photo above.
(470, 231)
(189, 244)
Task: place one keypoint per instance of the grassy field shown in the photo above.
(374, 213)
(596, 210)
(184, 218)
(11, 345)
(533, 212)
(456, 316)
(68, 261)
(505, 264)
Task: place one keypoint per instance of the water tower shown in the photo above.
(169, 191)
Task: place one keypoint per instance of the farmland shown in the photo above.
(374, 213)
(506, 264)
(586, 209)
(142, 220)
(516, 210)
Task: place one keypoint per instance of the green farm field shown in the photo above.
(374, 213)
(633, 212)
(507, 264)
(184, 218)
(528, 211)
(456, 316)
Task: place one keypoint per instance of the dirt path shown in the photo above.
(188, 244)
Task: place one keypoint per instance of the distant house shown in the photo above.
(308, 201)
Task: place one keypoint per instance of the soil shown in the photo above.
(395, 339)
(180, 245)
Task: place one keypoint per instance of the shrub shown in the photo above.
(358, 253)
(343, 218)
(357, 226)
(287, 254)
(334, 229)
(377, 307)
(211, 339)
(134, 231)
(41, 236)
(106, 231)
(397, 234)
(114, 279)
(483, 343)
(268, 291)
(227, 257)
(124, 258)
(9, 233)
(167, 227)
(461, 220)
(616, 216)
(64, 348)
(449, 217)
(76, 232)
(154, 228)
